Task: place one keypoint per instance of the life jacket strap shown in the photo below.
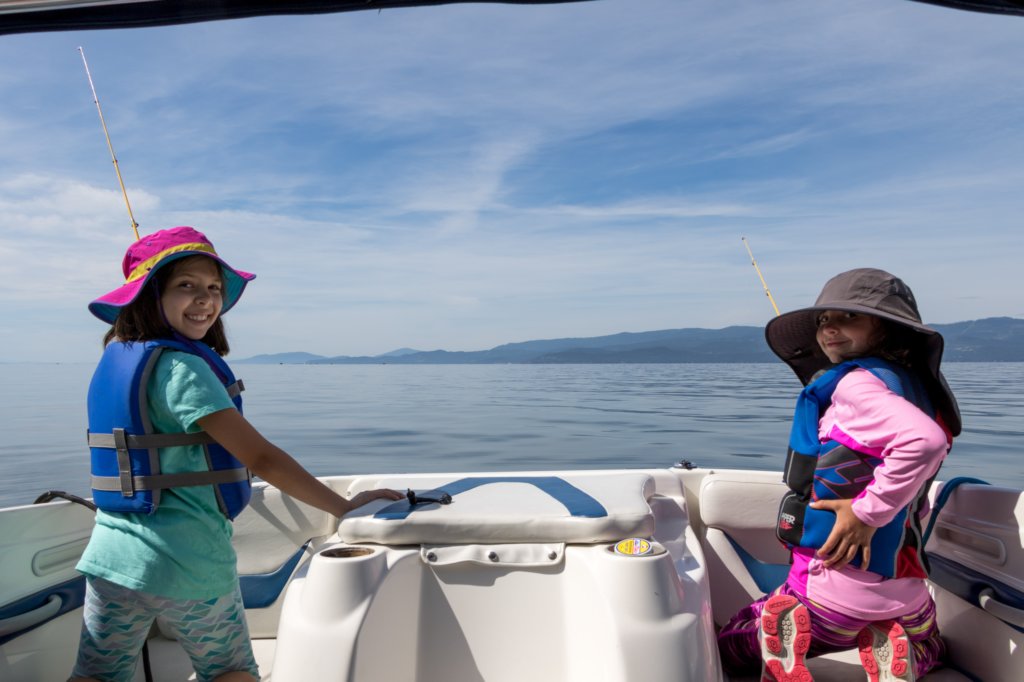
(162, 481)
(146, 441)
(124, 464)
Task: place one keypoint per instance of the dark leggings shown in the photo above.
(740, 645)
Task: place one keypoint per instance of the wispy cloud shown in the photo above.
(464, 176)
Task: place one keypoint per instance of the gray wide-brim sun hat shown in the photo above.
(793, 335)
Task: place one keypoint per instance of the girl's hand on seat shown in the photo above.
(379, 494)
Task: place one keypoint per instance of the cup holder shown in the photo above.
(341, 580)
(346, 552)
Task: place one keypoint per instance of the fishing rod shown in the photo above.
(117, 169)
(760, 276)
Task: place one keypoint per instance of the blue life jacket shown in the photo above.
(832, 471)
(126, 475)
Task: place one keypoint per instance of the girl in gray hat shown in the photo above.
(872, 426)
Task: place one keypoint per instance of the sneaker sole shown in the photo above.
(785, 640)
(885, 652)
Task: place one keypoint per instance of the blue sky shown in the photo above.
(464, 176)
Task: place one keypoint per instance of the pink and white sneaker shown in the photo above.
(785, 639)
(885, 652)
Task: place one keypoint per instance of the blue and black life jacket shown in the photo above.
(126, 474)
(833, 471)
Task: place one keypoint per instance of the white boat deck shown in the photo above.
(506, 584)
(169, 664)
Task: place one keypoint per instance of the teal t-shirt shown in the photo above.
(183, 549)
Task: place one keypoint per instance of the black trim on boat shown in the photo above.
(51, 495)
(1010, 7)
(100, 15)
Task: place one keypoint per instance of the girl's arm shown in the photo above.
(278, 468)
(911, 444)
(866, 415)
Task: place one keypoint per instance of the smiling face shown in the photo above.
(844, 336)
(192, 296)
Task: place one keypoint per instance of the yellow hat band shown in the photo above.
(143, 268)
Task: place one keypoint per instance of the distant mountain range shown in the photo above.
(993, 339)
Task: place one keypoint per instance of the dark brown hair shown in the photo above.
(902, 345)
(143, 319)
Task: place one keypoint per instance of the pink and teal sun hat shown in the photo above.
(154, 251)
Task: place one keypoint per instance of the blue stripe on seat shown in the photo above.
(72, 596)
(766, 576)
(260, 590)
(577, 502)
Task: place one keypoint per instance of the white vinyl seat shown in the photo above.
(745, 560)
(582, 508)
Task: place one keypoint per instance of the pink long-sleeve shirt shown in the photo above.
(866, 416)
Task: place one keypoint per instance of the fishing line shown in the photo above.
(764, 284)
(117, 169)
(147, 669)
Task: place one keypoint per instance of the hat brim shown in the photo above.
(793, 337)
(108, 306)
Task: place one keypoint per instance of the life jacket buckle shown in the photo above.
(124, 463)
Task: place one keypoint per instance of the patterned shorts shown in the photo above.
(117, 620)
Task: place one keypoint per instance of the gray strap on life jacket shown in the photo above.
(146, 441)
(122, 442)
(235, 388)
(182, 480)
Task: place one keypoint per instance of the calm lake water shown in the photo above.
(407, 418)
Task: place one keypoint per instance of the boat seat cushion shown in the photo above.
(745, 559)
(273, 527)
(585, 507)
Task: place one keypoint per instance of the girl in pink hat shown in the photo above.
(872, 426)
(171, 462)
